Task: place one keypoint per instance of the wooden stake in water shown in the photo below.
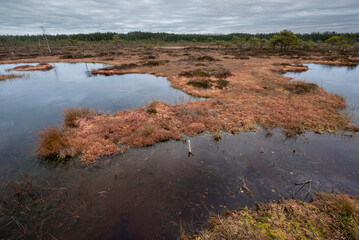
(189, 149)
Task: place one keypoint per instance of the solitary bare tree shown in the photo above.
(44, 33)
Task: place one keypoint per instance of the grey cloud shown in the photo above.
(187, 16)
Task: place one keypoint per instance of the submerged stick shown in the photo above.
(189, 149)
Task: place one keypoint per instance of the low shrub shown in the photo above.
(218, 73)
(206, 59)
(222, 83)
(151, 108)
(154, 63)
(194, 73)
(201, 83)
(300, 87)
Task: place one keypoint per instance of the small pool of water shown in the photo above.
(336, 79)
(37, 100)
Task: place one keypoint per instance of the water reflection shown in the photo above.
(28, 104)
(337, 79)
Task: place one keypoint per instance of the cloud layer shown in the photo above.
(186, 16)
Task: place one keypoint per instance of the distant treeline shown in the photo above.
(168, 37)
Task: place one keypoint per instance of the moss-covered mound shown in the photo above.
(330, 216)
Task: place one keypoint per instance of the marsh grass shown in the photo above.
(38, 67)
(194, 73)
(200, 83)
(329, 216)
(208, 72)
(54, 144)
(30, 211)
(221, 83)
(151, 108)
(121, 67)
(72, 114)
(206, 83)
(301, 87)
(206, 59)
(148, 129)
(76, 56)
(9, 76)
(155, 63)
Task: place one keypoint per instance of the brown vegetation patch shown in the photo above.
(202, 83)
(55, 144)
(115, 69)
(207, 83)
(154, 63)
(244, 95)
(76, 56)
(286, 67)
(39, 67)
(206, 58)
(207, 72)
(301, 87)
(72, 114)
(100, 135)
(337, 63)
(329, 216)
(9, 76)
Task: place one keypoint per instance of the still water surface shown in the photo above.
(149, 193)
(30, 103)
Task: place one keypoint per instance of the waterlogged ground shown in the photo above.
(151, 192)
(36, 100)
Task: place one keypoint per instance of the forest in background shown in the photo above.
(171, 37)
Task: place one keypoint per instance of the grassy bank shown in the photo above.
(329, 216)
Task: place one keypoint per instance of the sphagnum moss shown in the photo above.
(329, 216)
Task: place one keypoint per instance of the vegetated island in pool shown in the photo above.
(241, 83)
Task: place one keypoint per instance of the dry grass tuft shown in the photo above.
(54, 144)
(151, 108)
(72, 114)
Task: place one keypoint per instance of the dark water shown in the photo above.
(152, 192)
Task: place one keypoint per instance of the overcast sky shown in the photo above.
(182, 16)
